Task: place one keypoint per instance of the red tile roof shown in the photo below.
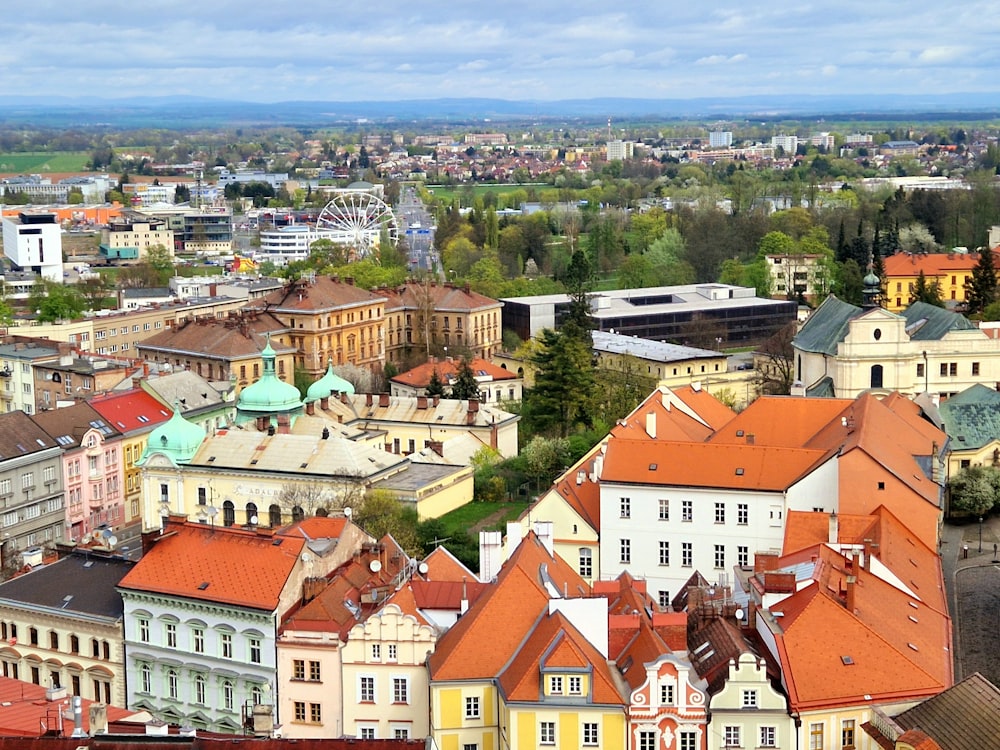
(932, 264)
(420, 376)
(443, 296)
(786, 421)
(24, 711)
(444, 566)
(318, 294)
(684, 414)
(446, 594)
(217, 564)
(131, 411)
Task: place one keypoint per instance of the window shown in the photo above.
(664, 509)
(314, 671)
(555, 685)
(472, 707)
(647, 740)
(944, 369)
(400, 690)
(228, 695)
(975, 368)
(768, 736)
(198, 640)
(366, 691)
(199, 689)
(53, 640)
(847, 733)
(687, 510)
(376, 652)
(145, 679)
(625, 550)
(74, 644)
(720, 512)
(742, 514)
(953, 369)
(663, 597)
(743, 556)
(300, 710)
(816, 736)
(172, 684)
(666, 694)
(586, 562)
(316, 713)
(686, 554)
(298, 669)
(720, 555)
(27, 480)
(590, 733)
(688, 741)
(575, 685)
(367, 733)
(391, 652)
(920, 370)
(254, 644)
(625, 507)
(170, 634)
(731, 736)
(664, 553)
(749, 699)
(226, 645)
(547, 733)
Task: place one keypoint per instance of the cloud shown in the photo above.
(721, 59)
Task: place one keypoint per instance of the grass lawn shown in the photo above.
(447, 192)
(40, 162)
(470, 514)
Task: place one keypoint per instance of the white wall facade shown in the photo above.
(35, 245)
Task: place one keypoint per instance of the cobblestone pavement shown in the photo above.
(973, 582)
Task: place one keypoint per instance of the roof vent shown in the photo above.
(739, 471)
(848, 661)
(203, 585)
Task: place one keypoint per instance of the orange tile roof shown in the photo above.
(705, 405)
(751, 467)
(25, 711)
(475, 647)
(554, 642)
(444, 297)
(444, 566)
(583, 496)
(897, 649)
(932, 264)
(446, 594)
(788, 421)
(240, 567)
(420, 376)
(672, 422)
(318, 294)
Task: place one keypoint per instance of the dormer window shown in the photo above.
(556, 685)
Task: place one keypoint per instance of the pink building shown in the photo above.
(92, 468)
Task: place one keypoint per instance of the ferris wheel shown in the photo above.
(358, 218)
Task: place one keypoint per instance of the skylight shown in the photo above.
(848, 661)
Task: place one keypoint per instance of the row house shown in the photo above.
(202, 609)
(62, 626)
(92, 467)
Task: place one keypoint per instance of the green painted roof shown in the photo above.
(270, 394)
(822, 389)
(176, 438)
(826, 327)
(972, 418)
(329, 383)
(925, 322)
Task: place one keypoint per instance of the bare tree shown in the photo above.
(775, 361)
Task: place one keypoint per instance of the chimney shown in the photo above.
(284, 424)
(463, 606)
(368, 399)
(421, 402)
(325, 435)
(935, 464)
(383, 399)
(437, 446)
(436, 401)
(490, 554)
(651, 424)
(470, 417)
(78, 730)
(311, 408)
(543, 530)
(849, 601)
(751, 438)
(834, 533)
(473, 405)
(349, 280)
(311, 588)
(98, 718)
(514, 536)
(262, 424)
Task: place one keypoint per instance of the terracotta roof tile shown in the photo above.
(19, 436)
(320, 293)
(226, 339)
(25, 710)
(410, 296)
(786, 421)
(131, 411)
(444, 566)
(240, 567)
(420, 376)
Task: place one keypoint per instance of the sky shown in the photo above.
(388, 50)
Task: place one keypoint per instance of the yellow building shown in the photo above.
(950, 271)
(541, 679)
(330, 320)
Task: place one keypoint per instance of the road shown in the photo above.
(416, 226)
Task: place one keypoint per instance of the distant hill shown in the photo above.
(191, 112)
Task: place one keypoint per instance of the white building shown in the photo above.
(669, 509)
(620, 150)
(788, 142)
(33, 242)
(720, 139)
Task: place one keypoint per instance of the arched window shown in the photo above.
(297, 513)
(876, 376)
(228, 693)
(199, 689)
(145, 679)
(274, 515)
(172, 684)
(252, 514)
(228, 513)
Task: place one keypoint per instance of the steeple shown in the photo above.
(871, 294)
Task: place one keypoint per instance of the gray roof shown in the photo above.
(656, 351)
(417, 477)
(972, 418)
(189, 389)
(925, 322)
(80, 583)
(966, 715)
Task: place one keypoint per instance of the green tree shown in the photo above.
(435, 386)
(974, 490)
(564, 383)
(382, 513)
(850, 282)
(53, 301)
(981, 289)
(927, 292)
(465, 385)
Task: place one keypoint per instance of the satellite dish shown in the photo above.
(348, 512)
(306, 557)
(423, 568)
(254, 520)
(375, 566)
(212, 511)
(739, 614)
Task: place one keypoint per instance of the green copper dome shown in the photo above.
(177, 438)
(269, 394)
(330, 383)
